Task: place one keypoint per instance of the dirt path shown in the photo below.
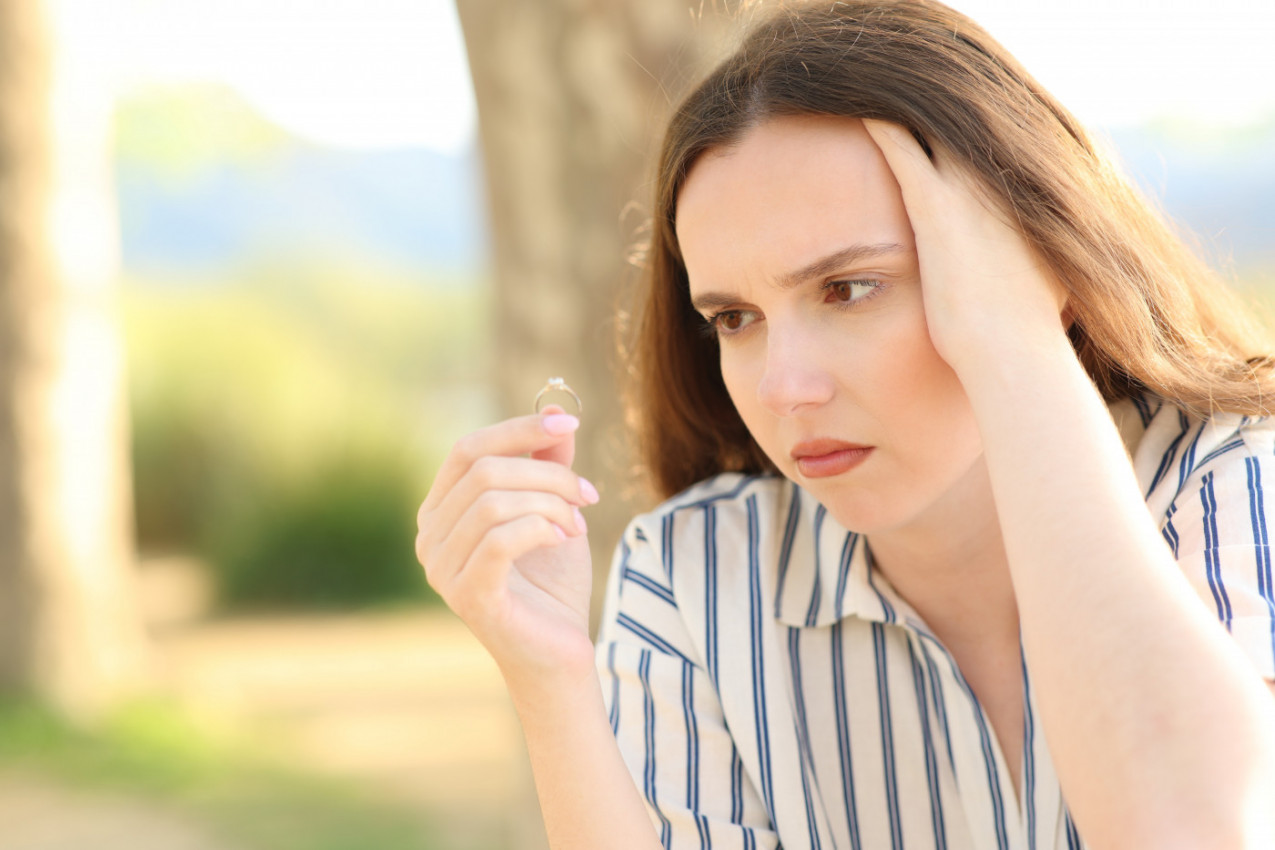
(408, 704)
(36, 814)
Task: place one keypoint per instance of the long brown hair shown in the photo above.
(1148, 314)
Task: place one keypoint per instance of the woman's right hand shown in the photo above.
(503, 542)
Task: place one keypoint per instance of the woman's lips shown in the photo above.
(822, 458)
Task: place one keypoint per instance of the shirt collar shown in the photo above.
(826, 571)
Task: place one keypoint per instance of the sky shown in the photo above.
(391, 73)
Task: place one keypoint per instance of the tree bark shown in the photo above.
(68, 632)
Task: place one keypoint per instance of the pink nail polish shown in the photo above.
(559, 424)
(557, 529)
(581, 525)
(588, 492)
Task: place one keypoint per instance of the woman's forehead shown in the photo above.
(803, 183)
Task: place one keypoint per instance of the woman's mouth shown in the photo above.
(823, 458)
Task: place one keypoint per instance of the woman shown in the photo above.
(904, 330)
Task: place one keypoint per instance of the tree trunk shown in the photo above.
(68, 633)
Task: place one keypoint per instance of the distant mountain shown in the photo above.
(1219, 186)
(205, 182)
(411, 208)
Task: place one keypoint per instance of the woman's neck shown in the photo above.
(950, 566)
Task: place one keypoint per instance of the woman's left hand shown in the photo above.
(986, 292)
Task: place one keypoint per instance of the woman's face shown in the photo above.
(801, 256)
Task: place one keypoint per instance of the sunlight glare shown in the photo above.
(1119, 63)
(392, 73)
(343, 73)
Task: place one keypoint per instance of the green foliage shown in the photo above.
(228, 787)
(285, 428)
(340, 536)
(145, 747)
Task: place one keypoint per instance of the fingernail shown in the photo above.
(581, 525)
(557, 529)
(588, 492)
(559, 424)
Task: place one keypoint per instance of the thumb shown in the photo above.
(563, 451)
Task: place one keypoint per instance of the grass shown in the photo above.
(230, 788)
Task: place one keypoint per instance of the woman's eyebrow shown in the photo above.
(837, 261)
(822, 267)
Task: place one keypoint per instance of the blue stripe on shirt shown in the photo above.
(785, 548)
(757, 629)
(806, 754)
(692, 754)
(1221, 450)
(1166, 460)
(843, 572)
(887, 737)
(649, 636)
(887, 610)
(615, 688)
(1212, 560)
(649, 772)
(940, 701)
(1261, 540)
(1073, 837)
(1169, 532)
(666, 545)
(710, 592)
(931, 756)
(1187, 463)
(629, 574)
(736, 786)
(843, 735)
(816, 592)
(1144, 409)
(1029, 757)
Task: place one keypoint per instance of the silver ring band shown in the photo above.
(556, 385)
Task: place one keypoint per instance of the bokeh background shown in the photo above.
(263, 261)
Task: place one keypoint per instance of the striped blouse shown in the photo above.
(768, 687)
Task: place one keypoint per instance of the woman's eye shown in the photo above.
(728, 322)
(850, 290)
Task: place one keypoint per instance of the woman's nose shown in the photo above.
(796, 374)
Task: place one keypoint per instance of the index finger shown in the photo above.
(513, 437)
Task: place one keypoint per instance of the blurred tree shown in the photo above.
(571, 97)
(67, 630)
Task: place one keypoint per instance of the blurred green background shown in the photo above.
(291, 389)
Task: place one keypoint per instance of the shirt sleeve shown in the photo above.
(666, 715)
(1218, 528)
